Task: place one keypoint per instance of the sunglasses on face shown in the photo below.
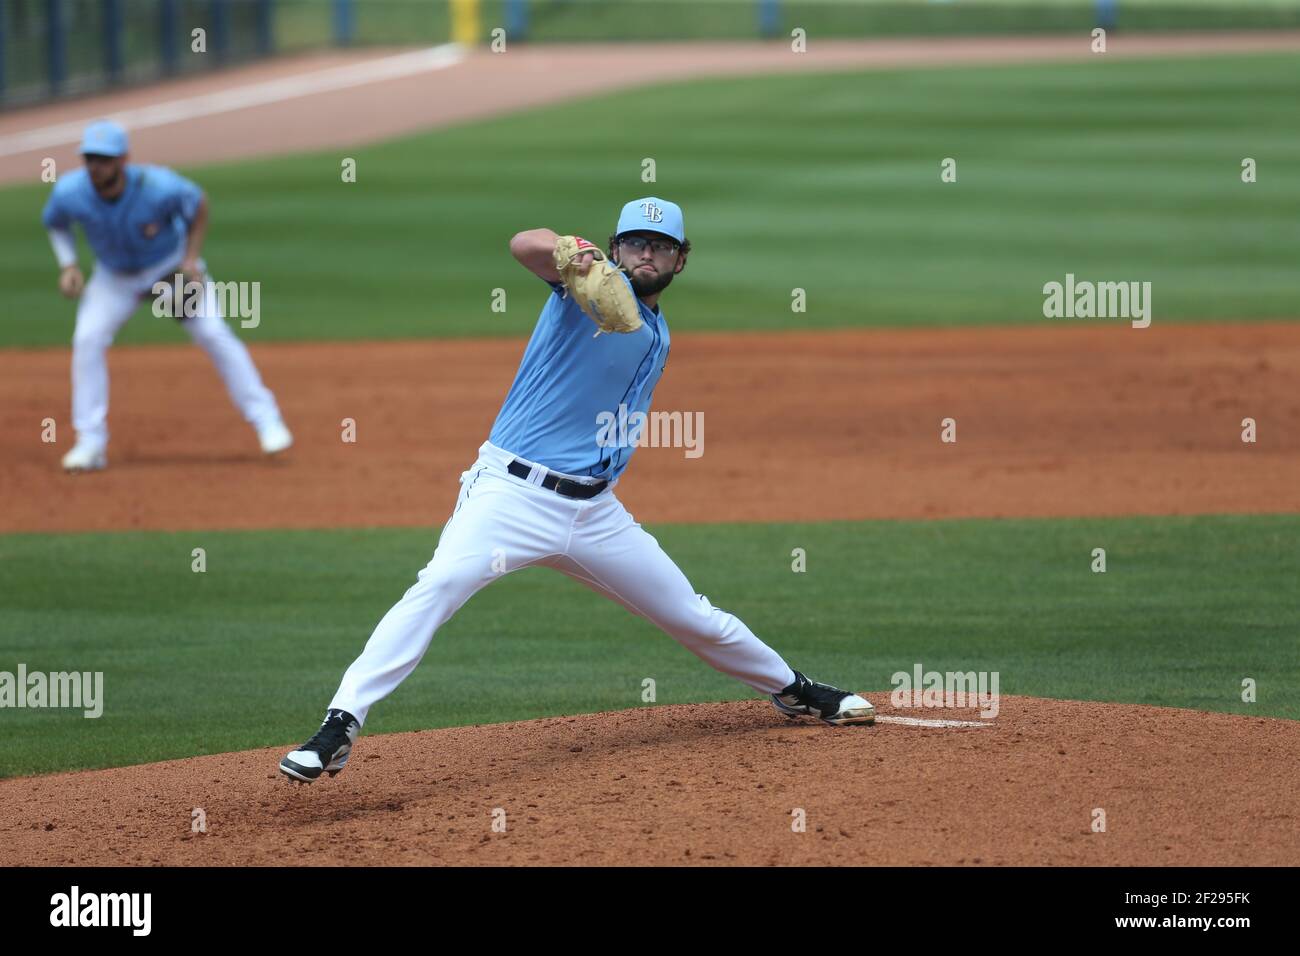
(658, 246)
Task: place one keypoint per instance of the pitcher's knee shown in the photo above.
(86, 342)
(699, 621)
(208, 331)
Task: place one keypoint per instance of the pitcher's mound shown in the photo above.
(1044, 782)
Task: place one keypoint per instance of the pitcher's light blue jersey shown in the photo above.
(146, 225)
(568, 377)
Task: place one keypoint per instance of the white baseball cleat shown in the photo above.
(85, 457)
(274, 437)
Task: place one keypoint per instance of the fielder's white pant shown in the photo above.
(502, 523)
(106, 303)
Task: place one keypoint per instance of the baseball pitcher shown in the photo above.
(542, 489)
(145, 224)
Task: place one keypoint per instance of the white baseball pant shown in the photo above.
(109, 299)
(502, 523)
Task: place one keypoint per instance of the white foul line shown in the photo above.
(242, 97)
(922, 722)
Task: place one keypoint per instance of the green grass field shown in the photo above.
(248, 653)
(1108, 169)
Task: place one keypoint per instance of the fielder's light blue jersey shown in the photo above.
(144, 226)
(569, 378)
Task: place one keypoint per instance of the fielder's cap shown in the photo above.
(652, 215)
(104, 138)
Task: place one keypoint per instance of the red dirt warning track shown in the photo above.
(707, 784)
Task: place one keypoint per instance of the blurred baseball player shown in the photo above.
(542, 489)
(144, 224)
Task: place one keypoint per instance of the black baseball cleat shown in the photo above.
(327, 751)
(807, 698)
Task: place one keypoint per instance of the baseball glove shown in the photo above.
(604, 293)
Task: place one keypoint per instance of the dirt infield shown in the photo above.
(1051, 421)
(708, 784)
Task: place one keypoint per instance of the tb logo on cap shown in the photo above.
(652, 212)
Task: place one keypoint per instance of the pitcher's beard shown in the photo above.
(644, 285)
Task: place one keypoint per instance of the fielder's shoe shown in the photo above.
(807, 698)
(85, 457)
(327, 751)
(274, 437)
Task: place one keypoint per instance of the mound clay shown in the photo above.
(707, 784)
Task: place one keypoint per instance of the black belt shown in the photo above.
(561, 486)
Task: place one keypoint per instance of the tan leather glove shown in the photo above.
(604, 292)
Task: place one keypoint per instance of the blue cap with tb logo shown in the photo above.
(652, 215)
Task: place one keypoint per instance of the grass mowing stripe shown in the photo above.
(249, 652)
(1110, 169)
